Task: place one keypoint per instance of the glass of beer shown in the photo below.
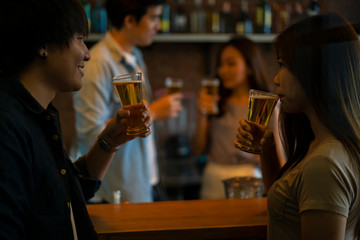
(211, 86)
(129, 90)
(261, 106)
(173, 85)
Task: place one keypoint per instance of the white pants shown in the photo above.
(214, 173)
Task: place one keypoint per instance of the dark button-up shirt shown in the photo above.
(37, 179)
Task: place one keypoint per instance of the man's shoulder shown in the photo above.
(99, 49)
(8, 103)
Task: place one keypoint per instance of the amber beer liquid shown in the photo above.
(129, 90)
(174, 88)
(173, 85)
(212, 88)
(261, 106)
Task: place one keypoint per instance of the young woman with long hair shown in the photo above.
(315, 195)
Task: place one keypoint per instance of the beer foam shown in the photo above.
(264, 97)
(127, 82)
(174, 84)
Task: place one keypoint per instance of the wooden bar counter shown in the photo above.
(191, 219)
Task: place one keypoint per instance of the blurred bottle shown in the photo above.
(165, 19)
(180, 22)
(263, 17)
(98, 18)
(297, 12)
(313, 8)
(212, 18)
(281, 12)
(243, 24)
(198, 18)
(87, 8)
(116, 196)
(226, 19)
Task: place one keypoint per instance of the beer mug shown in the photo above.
(173, 85)
(211, 85)
(129, 90)
(261, 106)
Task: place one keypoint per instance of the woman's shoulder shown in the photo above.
(332, 149)
(331, 157)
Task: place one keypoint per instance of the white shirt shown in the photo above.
(134, 169)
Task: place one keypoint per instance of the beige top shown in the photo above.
(222, 135)
(323, 180)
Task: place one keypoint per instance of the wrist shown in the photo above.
(105, 145)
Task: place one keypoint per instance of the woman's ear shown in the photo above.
(43, 52)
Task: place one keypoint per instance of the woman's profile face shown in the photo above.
(232, 69)
(291, 93)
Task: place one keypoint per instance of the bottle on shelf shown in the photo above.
(198, 18)
(179, 21)
(87, 8)
(298, 12)
(98, 18)
(226, 18)
(263, 17)
(243, 24)
(313, 8)
(165, 19)
(212, 18)
(281, 11)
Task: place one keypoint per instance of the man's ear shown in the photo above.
(129, 21)
(43, 52)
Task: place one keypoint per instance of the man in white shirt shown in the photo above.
(134, 170)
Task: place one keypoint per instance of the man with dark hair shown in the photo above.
(42, 193)
(134, 170)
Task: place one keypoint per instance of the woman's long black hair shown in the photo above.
(323, 52)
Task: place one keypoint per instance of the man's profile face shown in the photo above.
(148, 26)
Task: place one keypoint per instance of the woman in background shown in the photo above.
(315, 195)
(240, 68)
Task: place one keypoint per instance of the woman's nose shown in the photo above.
(276, 79)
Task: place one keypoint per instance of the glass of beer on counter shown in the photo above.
(173, 85)
(129, 90)
(211, 86)
(261, 106)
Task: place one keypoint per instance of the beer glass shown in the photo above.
(173, 85)
(129, 90)
(261, 106)
(211, 85)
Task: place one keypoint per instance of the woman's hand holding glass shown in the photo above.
(245, 138)
(207, 102)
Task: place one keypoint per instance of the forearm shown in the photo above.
(98, 160)
(270, 164)
(200, 137)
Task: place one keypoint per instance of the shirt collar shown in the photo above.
(13, 86)
(130, 58)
